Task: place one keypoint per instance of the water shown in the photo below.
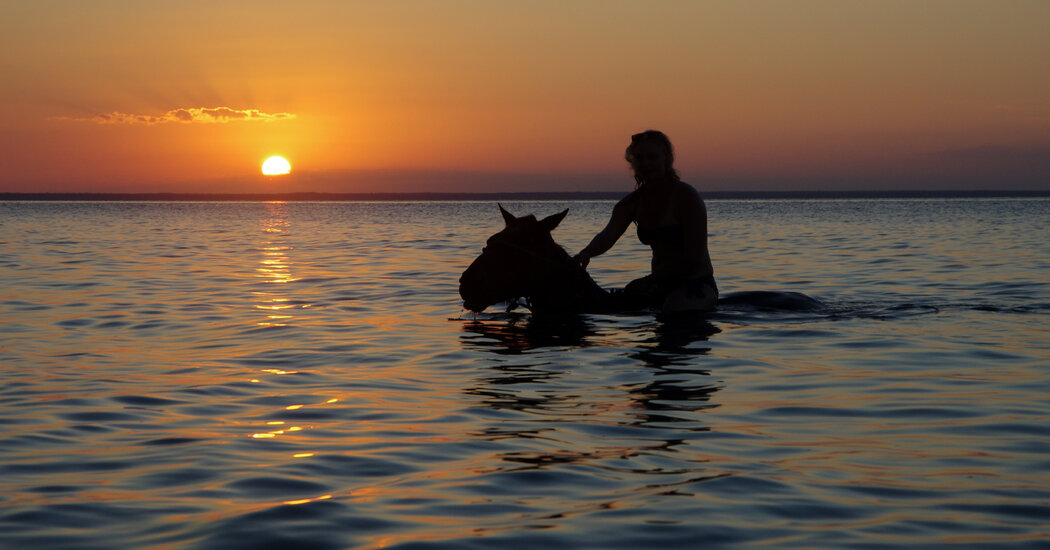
(301, 375)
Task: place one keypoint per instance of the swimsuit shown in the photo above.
(674, 235)
(667, 234)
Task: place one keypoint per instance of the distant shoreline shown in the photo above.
(508, 196)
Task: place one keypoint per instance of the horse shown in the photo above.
(522, 262)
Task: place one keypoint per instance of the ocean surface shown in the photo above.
(302, 375)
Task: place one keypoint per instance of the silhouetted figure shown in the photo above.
(522, 261)
(672, 219)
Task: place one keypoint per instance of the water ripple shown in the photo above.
(254, 375)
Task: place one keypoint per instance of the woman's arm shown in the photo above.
(622, 216)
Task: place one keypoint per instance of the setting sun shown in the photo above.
(275, 166)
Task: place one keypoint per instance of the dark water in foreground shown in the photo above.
(301, 375)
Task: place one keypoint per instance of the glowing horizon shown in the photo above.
(817, 94)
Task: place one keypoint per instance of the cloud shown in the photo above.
(187, 115)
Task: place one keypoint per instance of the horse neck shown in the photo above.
(565, 286)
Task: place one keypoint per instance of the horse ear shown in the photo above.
(552, 221)
(508, 218)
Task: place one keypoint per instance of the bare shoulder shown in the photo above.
(684, 190)
(687, 196)
(631, 198)
(628, 205)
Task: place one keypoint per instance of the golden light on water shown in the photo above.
(279, 371)
(275, 268)
(306, 500)
(277, 428)
(275, 433)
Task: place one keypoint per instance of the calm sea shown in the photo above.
(302, 375)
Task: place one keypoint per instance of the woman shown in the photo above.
(672, 220)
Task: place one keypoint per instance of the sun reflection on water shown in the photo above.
(274, 433)
(275, 268)
(276, 428)
(279, 371)
(307, 500)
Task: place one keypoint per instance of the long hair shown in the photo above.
(661, 140)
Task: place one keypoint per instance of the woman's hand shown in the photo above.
(583, 258)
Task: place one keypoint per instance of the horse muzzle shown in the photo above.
(472, 289)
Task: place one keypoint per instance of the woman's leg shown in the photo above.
(644, 292)
(687, 298)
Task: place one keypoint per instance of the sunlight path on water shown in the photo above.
(302, 375)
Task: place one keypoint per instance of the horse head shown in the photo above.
(514, 263)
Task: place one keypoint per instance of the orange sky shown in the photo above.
(111, 96)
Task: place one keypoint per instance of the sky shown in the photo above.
(464, 96)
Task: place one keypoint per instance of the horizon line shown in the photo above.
(306, 196)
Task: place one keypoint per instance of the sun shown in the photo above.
(276, 166)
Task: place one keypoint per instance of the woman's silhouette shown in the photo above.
(672, 220)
